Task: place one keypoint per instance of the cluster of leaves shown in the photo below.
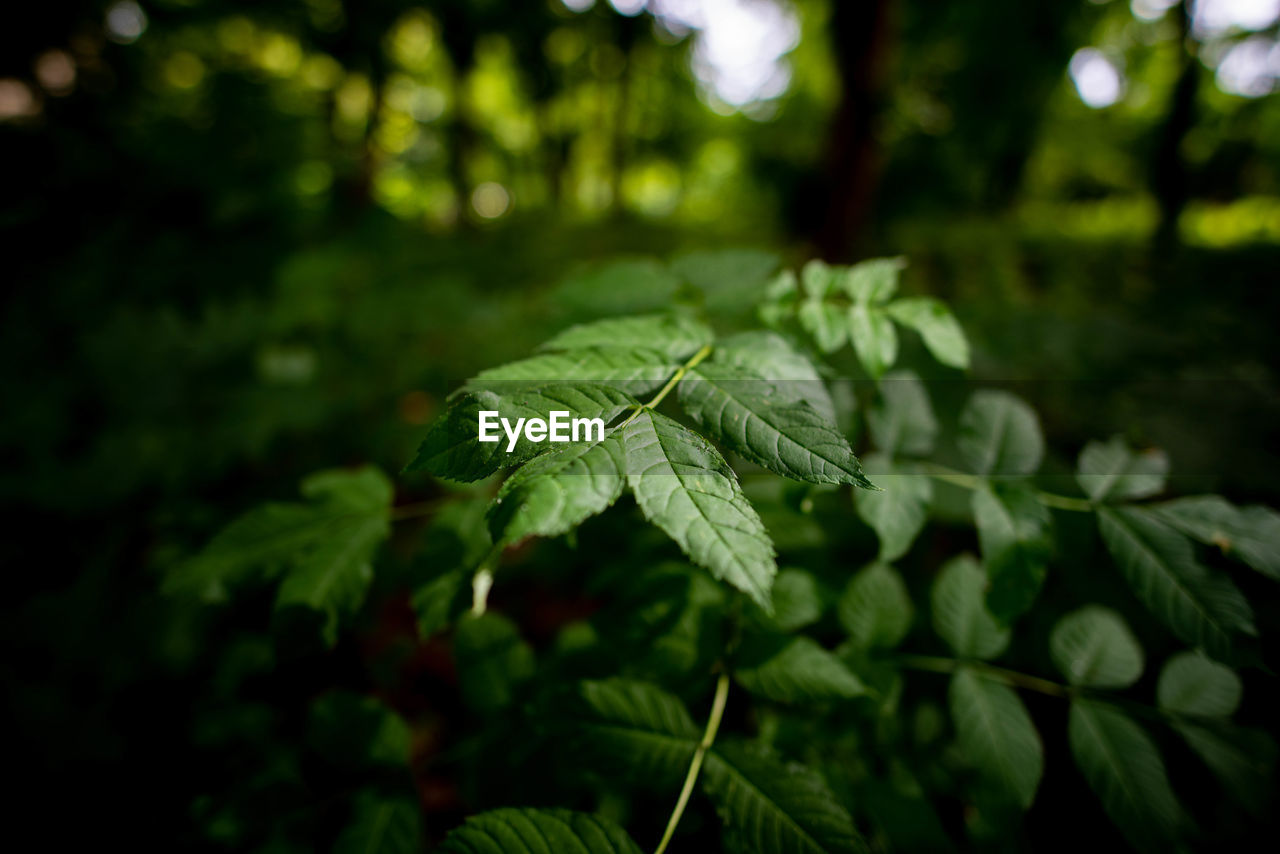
(618, 688)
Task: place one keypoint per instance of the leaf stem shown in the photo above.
(970, 481)
(937, 664)
(708, 737)
(693, 362)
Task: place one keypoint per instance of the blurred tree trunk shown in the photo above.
(859, 32)
(1170, 181)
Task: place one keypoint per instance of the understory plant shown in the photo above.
(775, 645)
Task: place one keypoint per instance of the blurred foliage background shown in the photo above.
(244, 241)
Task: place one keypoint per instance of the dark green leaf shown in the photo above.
(794, 670)
(902, 422)
(755, 418)
(635, 729)
(685, 487)
(636, 371)
(1243, 759)
(439, 601)
(1250, 534)
(960, 615)
(1204, 609)
(997, 737)
(774, 806)
(382, 825)
(797, 600)
(772, 357)
(1000, 435)
(1123, 767)
(538, 831)
(1016, 541)
(1191, 684)
(1109, 471)
(874, 338)
(493, 661)
(875, 608)
(899, 510)
(673, 335)
(1093, 647)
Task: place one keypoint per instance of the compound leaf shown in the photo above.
(770, 356)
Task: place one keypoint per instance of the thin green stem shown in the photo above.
(969, 481)
(671, 383)
(708, 738)
(937, 664)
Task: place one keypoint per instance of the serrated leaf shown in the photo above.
(794, 670)
(554, 493)
(381, 825)
(771, 357)
(1249, 534)
(1123, 767)
(675, 336)
(274, 537)
(493, 661)
(636, 371)
(774, 806)
(902, 421)
(635, 729)
(899, 510)
(999, 435)
(996, 736)
(937, 326)
(1109, 471)
(685, 487)
(872, 281)
(875, 608)
(538, 831)
(1191, 684)
(960, 615)
(1203, 609)
(452, 448)
(754, 417)
(1015, 538)
(797, 600)
(874, 339)
(1093, 647)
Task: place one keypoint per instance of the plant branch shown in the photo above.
(970, 481)
(937, 664)
(693, 362)
(708, 737)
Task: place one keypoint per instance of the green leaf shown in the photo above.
(634, 729)
(873, 281)
(1191, 684)
(452, 448)
(275, 537)
(899, 510)
(777, 807)
(794, 670)
(1250, 534)
(753, 416)
(1093, 647)
(730, 279)
(1242, 759)
(1015, 538)
(439, 601)
(874, 339)
(673, 335)
(493, 661)
(685, 487)
(538, 831)
(620, 286)
(357, 731)
(1203, 609)
(797, 600)
(636, 371)
(875, 608)
(772, 357)
(827, 323)
(902, 421)
(960, 616)
(937, 326)
(999, 435)
(1109, 471)
(554, 493)
(996, 736)
(382, 825)
(780, 298)
(1123, 767)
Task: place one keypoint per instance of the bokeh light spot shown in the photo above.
(56, 71)
(490, 200)
(125, 22)
(1096, 77)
